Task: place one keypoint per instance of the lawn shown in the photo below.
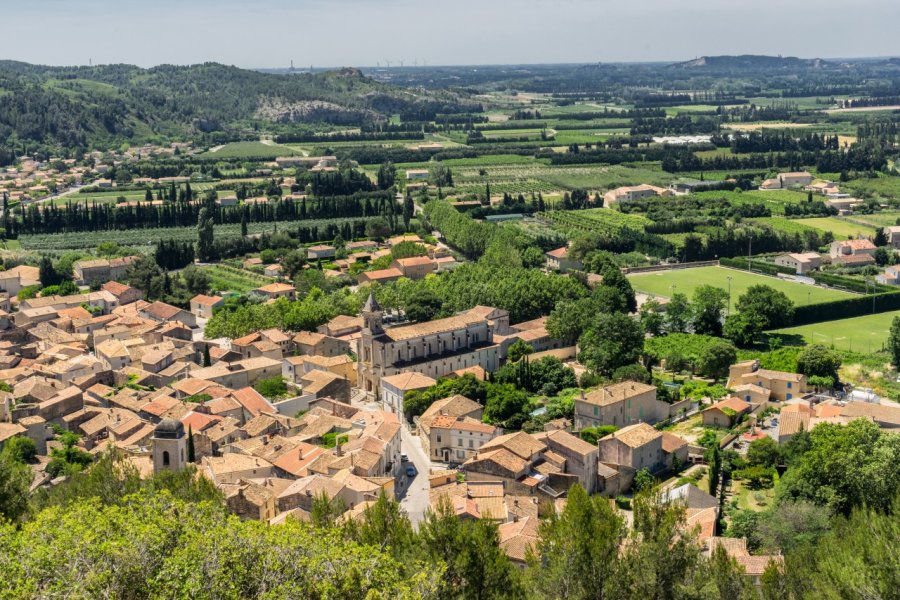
(863, 334)
(685, 281)
(841, 228)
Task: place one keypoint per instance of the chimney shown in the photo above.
(308, 493)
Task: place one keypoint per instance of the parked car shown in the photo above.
(411, 470)
(404, 458)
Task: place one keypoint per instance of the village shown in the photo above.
(277, 420)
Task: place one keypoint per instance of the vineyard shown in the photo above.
(789, 226)
(600, 220)
(227, 278)
(148, 237)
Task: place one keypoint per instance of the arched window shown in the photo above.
(166, 458)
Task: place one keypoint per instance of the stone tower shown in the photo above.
(169, 446)
(373, 319)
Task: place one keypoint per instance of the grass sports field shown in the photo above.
(686, 281)
(861, 334)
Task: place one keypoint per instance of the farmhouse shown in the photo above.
(559, 260)
(787, 180)
(634, 192)
(844, 248)
(782, 386)
(277, 290)
(320, 251)
(802, 262)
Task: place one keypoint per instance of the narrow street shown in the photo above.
(414, 494)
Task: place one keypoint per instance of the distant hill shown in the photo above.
(111, 104)
(750, 62)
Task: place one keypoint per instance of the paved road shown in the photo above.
(414, 494)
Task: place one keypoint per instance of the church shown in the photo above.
(433, 348)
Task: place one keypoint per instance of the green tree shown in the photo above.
(20, 449)
(743, 328)
(614, 278)
(715, 359)
(708, 305)
(422, 305)
(643, 480)
(272, 387)
(894, 342)
(15, 482)
(578, 552)
(772, 307)
(569, 319)
(653, 319)
(845, 467)
(817, 360)
(764, 452)
(612, 341)
(518, 350)
(409, 208)
(191, 451)
(205, 234)
(728, 577)
(387, 175)
(196, 280)
(476, 566)
(678, 314)
(662, 559)
(47, 274)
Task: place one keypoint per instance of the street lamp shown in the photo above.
(728, 312)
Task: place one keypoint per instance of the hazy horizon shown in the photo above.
(261, 34)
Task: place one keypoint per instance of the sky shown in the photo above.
(330, 33)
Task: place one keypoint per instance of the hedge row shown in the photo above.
(828, 279)
(757, 265)
(846, 308)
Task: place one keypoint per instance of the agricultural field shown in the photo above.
(841, 228)
(250, 150)
(790, 226)
(146, 238)
(664, 283)
(594, 219)
(861, 334)
(877, 187)
(775, 200)
(880, 219)
(227, 278)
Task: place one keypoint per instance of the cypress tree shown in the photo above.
(191, 453)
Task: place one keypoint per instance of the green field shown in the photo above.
(227, 278)
(685, 281)
(861, 334)
(841, 228)
(250, 150)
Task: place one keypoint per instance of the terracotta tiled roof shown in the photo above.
(618, 392)
(635, 436)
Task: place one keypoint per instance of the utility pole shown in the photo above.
(728, 310)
